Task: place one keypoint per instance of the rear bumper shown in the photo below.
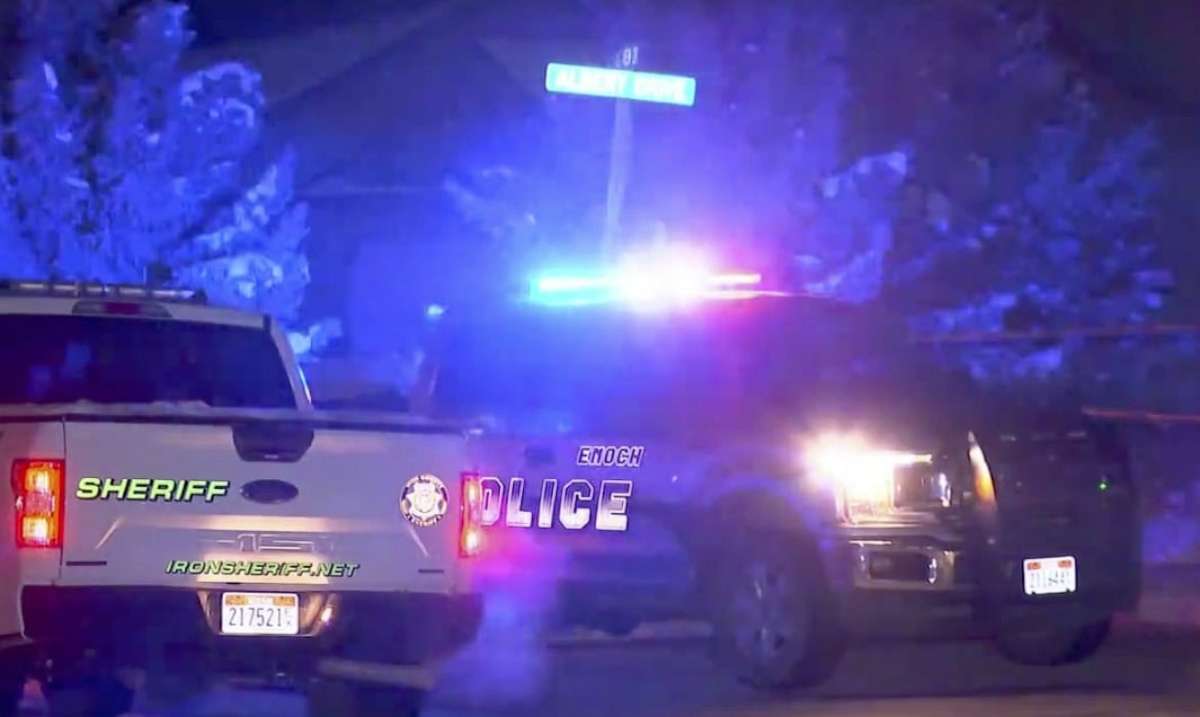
(135, 626)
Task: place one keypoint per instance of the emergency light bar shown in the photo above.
(99, 290)
(659, 280)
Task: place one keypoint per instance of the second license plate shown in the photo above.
(260, 614)
(1048, 576)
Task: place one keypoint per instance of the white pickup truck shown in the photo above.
(178, 510)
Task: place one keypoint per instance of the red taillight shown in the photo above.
(38, 488)
(471, 537)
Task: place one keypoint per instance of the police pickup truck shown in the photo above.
(177, 510)
(790, 469)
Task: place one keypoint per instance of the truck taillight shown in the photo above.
(38, 488)
(471, 537)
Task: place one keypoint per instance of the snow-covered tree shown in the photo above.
(1029, 208)
(945, 157)
(119, 165)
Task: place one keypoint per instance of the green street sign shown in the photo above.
(621, 84)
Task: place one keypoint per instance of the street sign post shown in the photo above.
(624, 84)
(621, 84)
(619, 157)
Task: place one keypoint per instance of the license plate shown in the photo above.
(1048, 576)
(260, 614)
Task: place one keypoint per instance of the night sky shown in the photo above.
(1142, 54)
(1147, 46)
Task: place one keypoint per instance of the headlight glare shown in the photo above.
(861, 473)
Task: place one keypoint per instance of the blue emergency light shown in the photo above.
(653, 280)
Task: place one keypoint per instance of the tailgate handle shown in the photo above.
(272, 442)
(269, 492)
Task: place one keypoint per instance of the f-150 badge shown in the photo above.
(424, 500)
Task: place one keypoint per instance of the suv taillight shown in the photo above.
(38, 488)
(471, 536)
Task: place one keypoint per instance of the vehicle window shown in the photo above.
(596, 371)
(67, 359)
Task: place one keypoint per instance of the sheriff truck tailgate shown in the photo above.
(304, 502)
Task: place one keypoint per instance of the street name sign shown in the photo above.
(620, 84)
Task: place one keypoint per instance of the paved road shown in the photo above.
(1143, 671)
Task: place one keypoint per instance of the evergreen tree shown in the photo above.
(116, 165)
(1029, 207)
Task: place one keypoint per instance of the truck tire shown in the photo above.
(774, 622)
(90, 696)
(338, 698)
(1053, 646)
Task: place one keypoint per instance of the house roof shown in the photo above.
(295, 62)
(368, 101)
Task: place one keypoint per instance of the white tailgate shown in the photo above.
(343, 528)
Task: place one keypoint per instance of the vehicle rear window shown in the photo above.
(66, 359)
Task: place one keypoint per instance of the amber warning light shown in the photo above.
(471, 537)
(38, 488)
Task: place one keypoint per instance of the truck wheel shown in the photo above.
(90, 696)
(1053, 646)
(338, 698)
(774, 621)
